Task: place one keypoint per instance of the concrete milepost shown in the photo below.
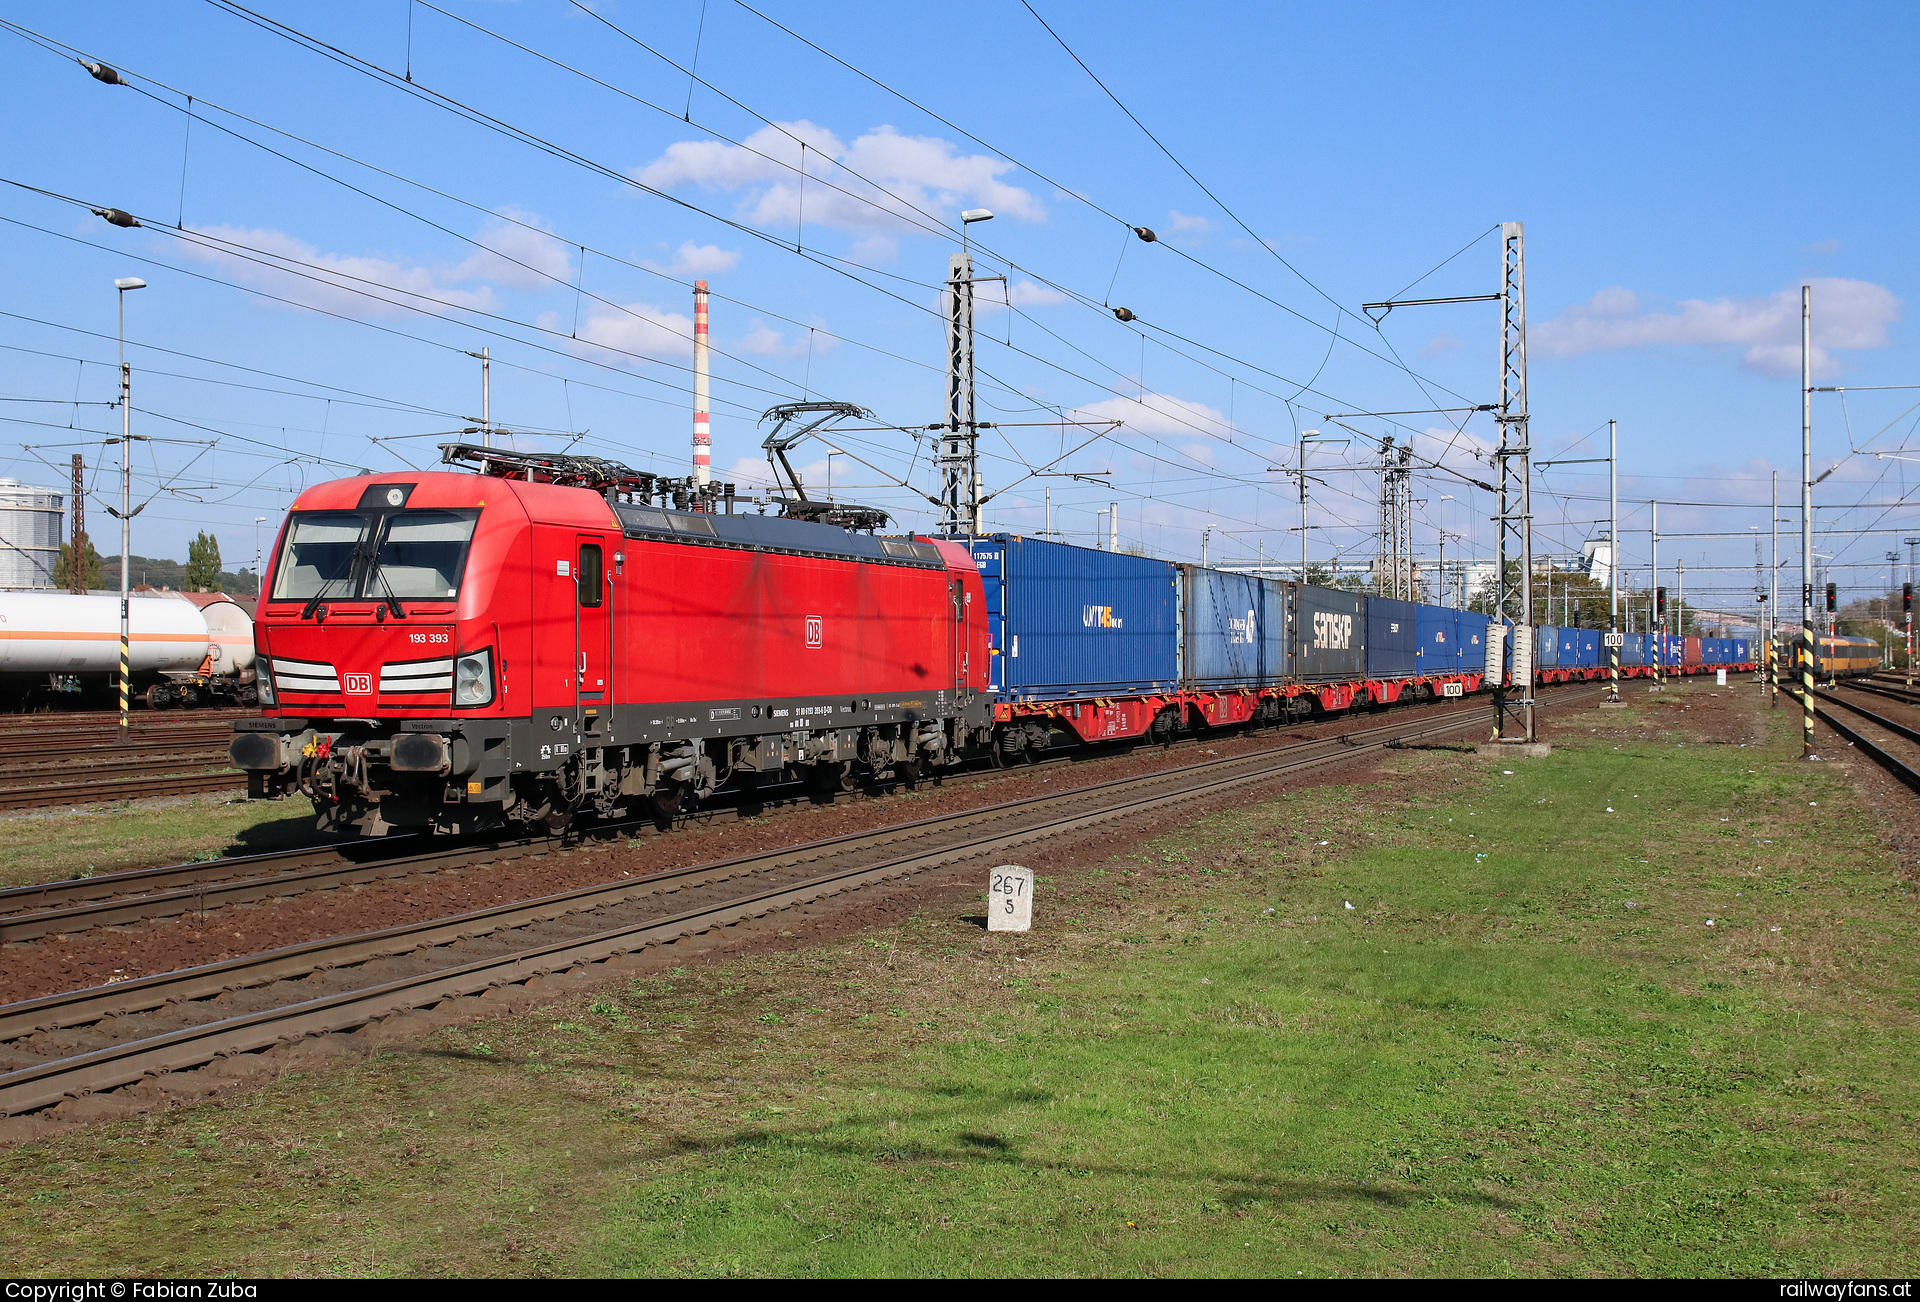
(1010, 898)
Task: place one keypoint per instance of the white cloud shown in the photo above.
(640, 328)
(692, 259)
(336, 282)
(1847, 315)
(992, 296)
(1824, 247)
(517, 256)
(1191, 230)
(515, 252)
(895, 175)
(1159, 414)
(1440, 345)
(763, 340)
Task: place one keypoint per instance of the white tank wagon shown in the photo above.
(30, 532)
(184, 648)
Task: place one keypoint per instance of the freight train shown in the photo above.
(540, 641)
(185, 648)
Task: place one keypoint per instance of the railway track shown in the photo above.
(72, 727)
(113, 789)
(1895, 690)
(109, 1036)
(80, 769)
(1900, 767)
(22, 751)
(115, 899)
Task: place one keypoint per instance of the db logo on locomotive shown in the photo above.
(814, 634)
(357, 684)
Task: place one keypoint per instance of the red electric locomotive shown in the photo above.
(457, 652)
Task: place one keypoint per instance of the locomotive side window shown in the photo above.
(422, 554)
(592, 588)
(320, 553)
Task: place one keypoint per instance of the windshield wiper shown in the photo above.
(361, 555)
(313, 603)
(393, 602)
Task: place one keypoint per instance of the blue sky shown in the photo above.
(1680, 171)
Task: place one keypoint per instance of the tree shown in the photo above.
(89, 565)
(203, 563)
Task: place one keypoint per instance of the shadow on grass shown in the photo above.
(292, 831)
(983, 1149)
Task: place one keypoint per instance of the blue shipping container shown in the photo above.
(1589, 653)
(1393, 638)
(1439, 631)
(1471, 635)
(1546, 647)
(1071, 621)
(1234, 627)
(1635, 650)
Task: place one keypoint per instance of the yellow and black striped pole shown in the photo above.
(1806, 683)
(125, 512)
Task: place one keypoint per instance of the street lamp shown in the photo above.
(259, 593)
(123, 284)
(967, 219)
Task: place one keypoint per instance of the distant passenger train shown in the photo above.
(1833, 657)
(186, 648)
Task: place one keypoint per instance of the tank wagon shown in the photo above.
(541, 640)
(184, 648)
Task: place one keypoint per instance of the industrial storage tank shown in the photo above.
(63, 633)
(30, 529)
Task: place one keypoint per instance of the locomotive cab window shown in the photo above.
(592, 586)
(421, 554)
(410, 555)
(321, 550)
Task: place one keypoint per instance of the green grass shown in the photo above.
(1490, 1065)
(54, 846)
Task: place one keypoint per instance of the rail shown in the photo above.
(109, 1036)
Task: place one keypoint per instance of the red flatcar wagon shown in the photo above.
(456, 652)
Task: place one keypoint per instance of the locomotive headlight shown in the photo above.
(263, 682)
(473, 678)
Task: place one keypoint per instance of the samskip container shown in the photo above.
(1393, 638)
(1234, 628)
(1329, 634)
(1072, 621)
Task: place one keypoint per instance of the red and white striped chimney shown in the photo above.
(702, 428)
